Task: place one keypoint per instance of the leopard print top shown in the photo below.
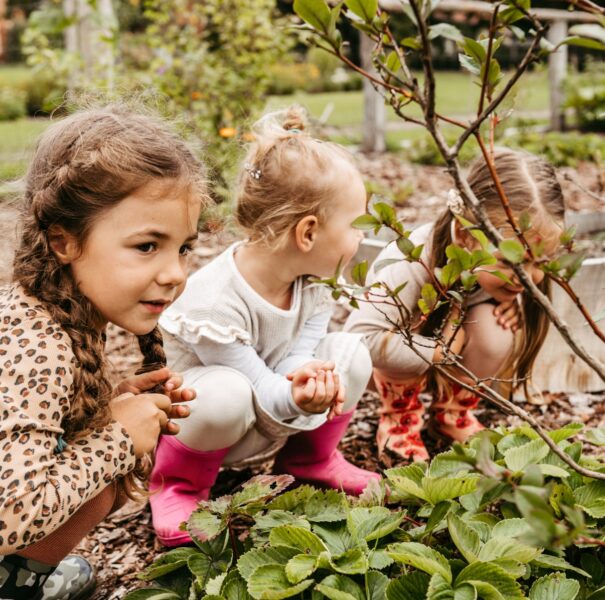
(43, 481)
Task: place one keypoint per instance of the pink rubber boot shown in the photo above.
(181, 477)
(312, 457)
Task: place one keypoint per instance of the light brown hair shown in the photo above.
(287, 174)
(84, 165)
(531, 186)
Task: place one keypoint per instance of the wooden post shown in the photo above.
(557, 72)
(373, 105)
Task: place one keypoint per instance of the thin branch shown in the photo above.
(569, 291)
(427, 65)
(488, 58)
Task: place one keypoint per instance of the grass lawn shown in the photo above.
(456, 95)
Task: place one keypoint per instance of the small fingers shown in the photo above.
(330, 387)
(171, 428)
(174, 382)
(179, 411)
(183, 395)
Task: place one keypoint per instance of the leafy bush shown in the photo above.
(586, 95)
(287, 78)
(12, 104)
(499, 518)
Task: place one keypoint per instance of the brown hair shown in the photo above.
(531, 185)
(82, 166)
(287, 175)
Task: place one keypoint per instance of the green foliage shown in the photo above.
(12, 104)
(500, 517)
(212, 71)
(586, 95)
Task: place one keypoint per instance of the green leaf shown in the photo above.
(582, 42)
(558, 435)
(524, 221)
(351, 562)
(517, 459)
(204, 525)
(365, 222)
(595, 436)
(439, 589)
(421, 557)
(512, 250)
(464, 537)
(234, 587)
(407, 480)
(438, 513)
(171, 561)
(257, 557)
(205, 568)
(260, 489)
(385, 212)
(359, 272)
(447, 488)
(336, 536)
(379, 559)
(491, 581)
(373, 523)
(299, 567)
(549, 562)
(269, 582)
(556, 586)
(449, 274)
(474, 49)
(296, 537)
(376, 585)
(340, 587)
(326, 506)
(412, 586)
(462, 255)
(393, 62)
(498, 547)
(429, 295)
(366, 9)
(314, 12)
(405, 245)
(511, 528)
(591, 498)
(481, 238)
(152, 594)
(445, 30)
(386, 262)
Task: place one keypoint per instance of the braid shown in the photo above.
(152, 348)
(42, 276)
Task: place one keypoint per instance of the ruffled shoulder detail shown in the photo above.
(194, 331)
(321, 296)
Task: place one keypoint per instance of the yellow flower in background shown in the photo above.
(196, 95)
(248, 136)
(227, 132)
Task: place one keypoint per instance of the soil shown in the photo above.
(122, 545)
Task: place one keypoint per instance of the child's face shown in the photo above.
(337, 242)
(506, 292)
(133, 263)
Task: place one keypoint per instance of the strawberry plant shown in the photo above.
(499, 518)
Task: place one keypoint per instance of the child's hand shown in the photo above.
(137, 384)
(315, 388)
(144, 416)
(508, 314)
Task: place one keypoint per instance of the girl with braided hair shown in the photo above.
(110, 210)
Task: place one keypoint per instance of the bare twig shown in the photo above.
(569, 178)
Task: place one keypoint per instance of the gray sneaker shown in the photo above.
(73, 579)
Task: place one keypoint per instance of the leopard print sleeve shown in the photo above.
(43, 481)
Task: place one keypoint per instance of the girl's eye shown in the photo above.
(146, 248)
(186, 249)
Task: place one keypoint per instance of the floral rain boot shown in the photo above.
(401, 417)
(452, 418)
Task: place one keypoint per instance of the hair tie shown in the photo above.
(455, 203)
(253, 171)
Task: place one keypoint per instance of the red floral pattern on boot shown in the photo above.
(401, 417)
(453, 418)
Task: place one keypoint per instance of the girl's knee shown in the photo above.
(223, 409)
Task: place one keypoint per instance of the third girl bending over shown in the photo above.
(503, 329)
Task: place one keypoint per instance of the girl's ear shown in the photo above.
(305, 233)
(63, 244)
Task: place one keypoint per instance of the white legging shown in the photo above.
(487, 346)
(223, 413)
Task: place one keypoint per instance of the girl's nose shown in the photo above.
(174, 273)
